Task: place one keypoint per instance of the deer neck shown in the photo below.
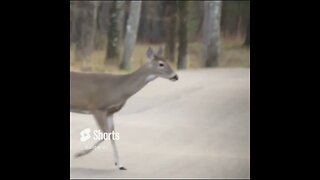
(135, 81)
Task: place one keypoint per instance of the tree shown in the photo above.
(211, 32)
(183, 34)
(131, 33)
(73, 20)
(235, 18)
(157, 23)
(170, 20)
(143, 31)
(86, 17)
(122, 20)
(151, 26)
(102, 25)
(200, 10)
(112, 53)
(247, 40)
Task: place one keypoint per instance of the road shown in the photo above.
(197, 127)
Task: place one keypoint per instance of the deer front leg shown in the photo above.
(113, 143)
(105, 122)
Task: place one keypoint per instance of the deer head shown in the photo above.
(159, 66)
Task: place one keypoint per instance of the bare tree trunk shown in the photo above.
(131, 33)
(170, 28)
(151, 28)
(200, 26)
(73, 20)
(247, 40)
(122, 20)
(87, 14)
(183, 34)
(234, 18)
(102, 25)
(158, 31)
(211, 32)
(143, 27)
(112, 53)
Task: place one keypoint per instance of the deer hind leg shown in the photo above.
(100, 118)
(113, 143)
(87, 151)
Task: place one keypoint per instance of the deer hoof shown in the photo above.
(122, 168)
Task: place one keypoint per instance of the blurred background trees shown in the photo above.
(85, 18)
(170, 26)
(194, 34)
(183, 34)
(211, 32)
(131, 33)
(115, 31)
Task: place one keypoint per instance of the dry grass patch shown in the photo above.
(232, 54)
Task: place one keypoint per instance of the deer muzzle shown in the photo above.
(174, 78)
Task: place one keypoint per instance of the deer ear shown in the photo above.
(150, 53)
(160, 51)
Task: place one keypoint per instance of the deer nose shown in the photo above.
(174, 78)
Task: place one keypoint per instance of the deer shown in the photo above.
(102, 94)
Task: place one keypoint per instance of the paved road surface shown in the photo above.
(197, 127)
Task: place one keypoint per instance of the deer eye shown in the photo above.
(161, 64)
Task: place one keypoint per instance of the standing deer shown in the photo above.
(102, 95)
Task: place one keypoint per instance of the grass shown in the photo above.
(232, 54)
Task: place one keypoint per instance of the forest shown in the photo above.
(113, 36)
(192, 121)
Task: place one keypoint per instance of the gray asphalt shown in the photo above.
(197, 127)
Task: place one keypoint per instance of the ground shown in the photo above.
(197, 127)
